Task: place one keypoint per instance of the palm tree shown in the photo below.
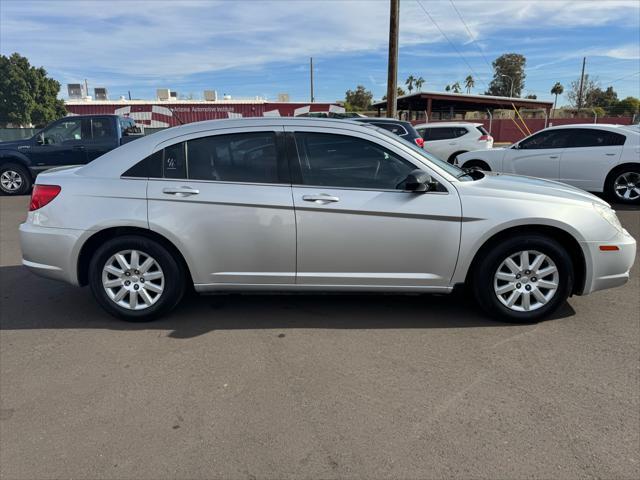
(556, 90)
(469, 83)
(409, 83)
(456, 87)
(419, 82)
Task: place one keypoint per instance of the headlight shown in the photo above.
(609, 215)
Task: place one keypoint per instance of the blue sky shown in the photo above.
(253, 47)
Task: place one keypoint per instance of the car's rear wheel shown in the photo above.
(14, 179)
(135, 278)
(477, 164)
(523, 279)
(623, 185)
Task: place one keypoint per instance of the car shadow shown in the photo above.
(30, 302)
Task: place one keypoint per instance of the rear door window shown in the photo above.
(592, 137)
(103, 129)
(242, 157)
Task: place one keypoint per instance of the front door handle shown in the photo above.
(78, 147)
(322, 199)
(181, 191)
(610, 154)
(553, 156)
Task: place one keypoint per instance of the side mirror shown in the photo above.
(418, 181)
(40, 139)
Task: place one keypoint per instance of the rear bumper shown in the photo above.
(610, 268)
(50, 252)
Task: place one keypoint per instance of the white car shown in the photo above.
(448, 140)
(593, 157)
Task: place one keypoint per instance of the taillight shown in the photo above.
(420, 142)
(485, 138)
(43, 194)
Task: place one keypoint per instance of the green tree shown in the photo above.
(469, 83)
(456, 87)
(602, 98)
(556, 90)
(419, 82)
(508, 68)
(531, 96)
(27, 94)
(409, 83)
(447, 88)
(627, 106)
(358, 99)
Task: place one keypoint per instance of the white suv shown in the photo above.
(594, 157)
(448, 140)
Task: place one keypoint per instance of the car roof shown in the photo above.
(447, 124)
(591, 125)
(380, 120)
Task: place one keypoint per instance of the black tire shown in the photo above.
(453, 156)
(477, 164)
(492, 257)
(23, 177)
(632, 172)
(174, 277)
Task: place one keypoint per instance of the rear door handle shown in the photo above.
(610, 154)
(78, 147)
(553, 156)
(181, 191)
(322, 199)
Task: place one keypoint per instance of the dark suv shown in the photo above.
(402, 129)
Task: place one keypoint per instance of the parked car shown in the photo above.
(308, 205)
(593, 157)
(447, 140)
(71, 140)
(398, 127)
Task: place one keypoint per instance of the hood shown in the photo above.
(505, 185)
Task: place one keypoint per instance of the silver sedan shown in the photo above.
(314, 205)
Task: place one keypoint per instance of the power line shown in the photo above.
(471, 34)
(622, 78)
(450, 42)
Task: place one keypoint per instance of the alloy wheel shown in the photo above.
(133, 279)
(627, 186)
(11, 181)
(526, 281)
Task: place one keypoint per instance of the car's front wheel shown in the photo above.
(14, 179)
(524, 278)
(479, 164)
(135, 278)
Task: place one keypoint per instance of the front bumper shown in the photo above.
(609, 268)
(50, 252)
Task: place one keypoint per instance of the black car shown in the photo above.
(399, 127)
(73, 140)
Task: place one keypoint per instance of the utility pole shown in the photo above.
(584, 60)
(311, 78)
(392, 79)
(86, 88)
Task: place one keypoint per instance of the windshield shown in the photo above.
(446, 166)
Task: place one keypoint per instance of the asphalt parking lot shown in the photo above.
(313, 386)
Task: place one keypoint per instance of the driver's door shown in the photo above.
(355, 228)
(60, 144)
(538, 155)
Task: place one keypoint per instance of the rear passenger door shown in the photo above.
(590, 155)
(225, 198)
(104, 137)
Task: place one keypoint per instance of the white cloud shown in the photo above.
(157, 42)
